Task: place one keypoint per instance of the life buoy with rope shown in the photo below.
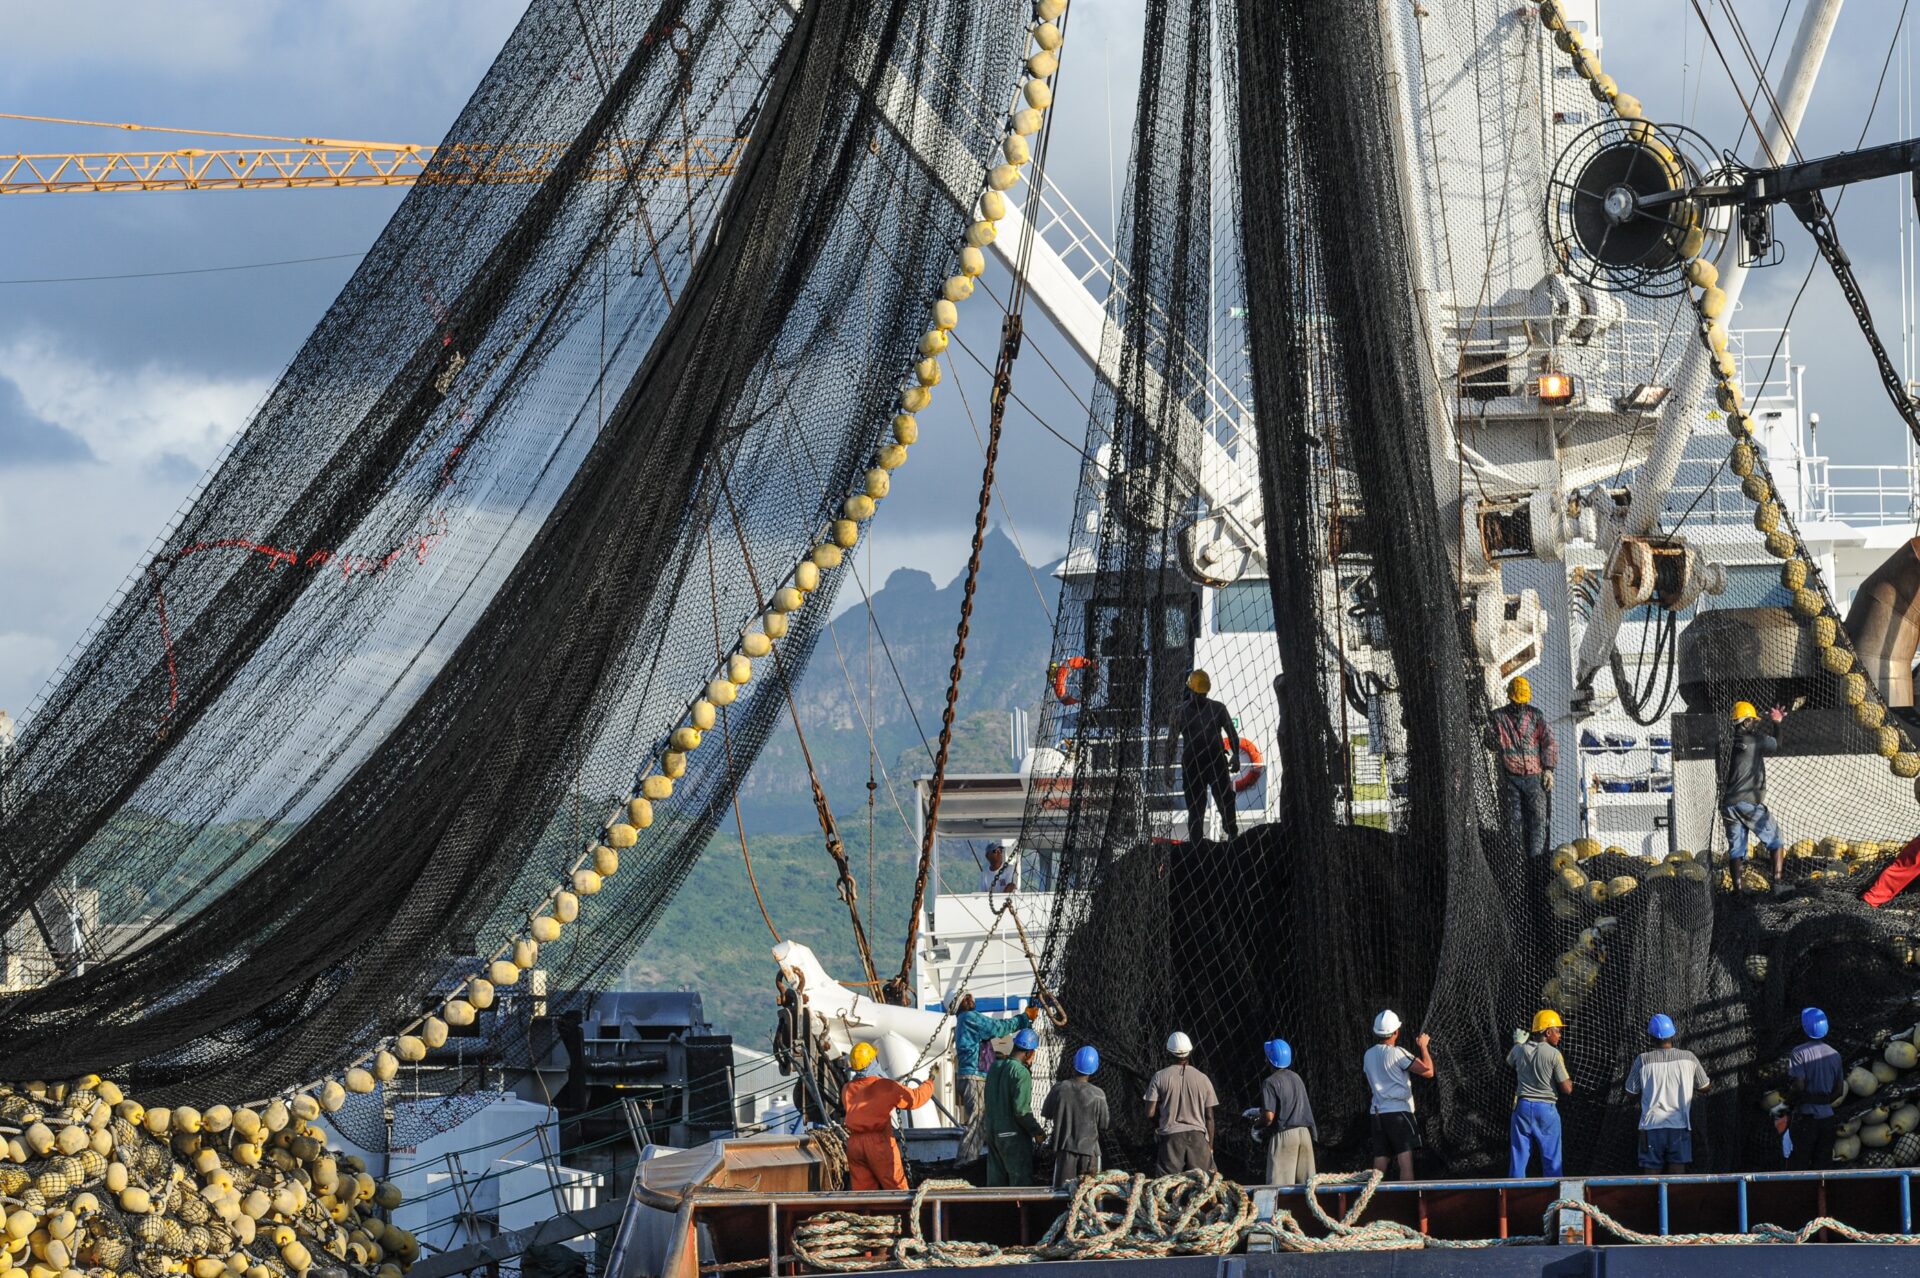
(1062, 671)
(1252, 765)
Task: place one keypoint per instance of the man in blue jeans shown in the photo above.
(1540, 1072)
(1520, 738)
(1743, 803)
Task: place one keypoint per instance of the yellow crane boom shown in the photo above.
(327, 162)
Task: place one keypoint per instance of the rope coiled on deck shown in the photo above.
(1119, 1215)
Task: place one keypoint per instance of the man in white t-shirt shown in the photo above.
(1390, 1070)
(1002, 874)
(1666, 1080)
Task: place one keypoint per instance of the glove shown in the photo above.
(1520, 1036)
(1546, 782)
(1250, 1114)
(1033, 1012)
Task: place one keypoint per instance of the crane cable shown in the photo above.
(899, 989)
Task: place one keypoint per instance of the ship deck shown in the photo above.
(734, 1211)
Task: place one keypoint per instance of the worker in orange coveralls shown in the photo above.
(871, 1098)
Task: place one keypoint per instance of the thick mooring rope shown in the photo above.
(1120, 1215)
(1117, 1215)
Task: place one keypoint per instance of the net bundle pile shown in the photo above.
(1402, 890)
(1307, 927)
(439, 635)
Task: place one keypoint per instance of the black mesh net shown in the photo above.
(555, 445)
(1390, 878)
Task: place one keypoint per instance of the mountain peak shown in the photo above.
(909, 581)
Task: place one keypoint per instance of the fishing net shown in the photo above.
(563, 432)
(1374, 867)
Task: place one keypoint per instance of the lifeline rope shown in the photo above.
(1120, 1215)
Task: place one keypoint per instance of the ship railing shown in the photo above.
(748, 1231)
(1609, 367)
(1765, 356)
(1091, 259)
(1862, 493)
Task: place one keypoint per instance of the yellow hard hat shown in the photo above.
(1743, 710)
(1520, 691)
(863, 1055)
(1545, 1019)
(1199, 682)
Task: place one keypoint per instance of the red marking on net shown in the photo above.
(453, 458)
(166, 637)
(420, 543)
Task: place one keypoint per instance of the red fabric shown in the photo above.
(1902, 870)
(873, 1160)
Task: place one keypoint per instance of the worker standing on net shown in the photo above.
(1180, 1102)
(1817, 1077)
(1541, 1078)
(873, 1158)
(1012, 1130)
(1390, 1070)
(1522, 741)
(1209, 756)
(1078, 1111)
(1743, 803)
(1287, 1115)
(973, 1035)
(1666, 1080)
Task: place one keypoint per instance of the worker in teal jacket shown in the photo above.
(973, 1033)
(1012, 1130)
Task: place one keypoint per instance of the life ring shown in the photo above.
(1062, 671)
(1253, 765)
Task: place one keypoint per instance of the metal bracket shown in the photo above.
(1569, 1224)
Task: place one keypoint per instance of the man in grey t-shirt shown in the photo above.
(1666, 1080)
(1180, 1101)
(1078, 1111)
(1541, 1079)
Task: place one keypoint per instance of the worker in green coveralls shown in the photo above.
(1011, 1127)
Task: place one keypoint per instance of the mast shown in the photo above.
(1676, 428)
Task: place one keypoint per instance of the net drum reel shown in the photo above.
(1624, 206)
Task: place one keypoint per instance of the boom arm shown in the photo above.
(318, 162)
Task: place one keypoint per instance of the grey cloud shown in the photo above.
(174, 468)
(27, 439)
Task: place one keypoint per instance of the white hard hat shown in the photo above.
(1179, 1044)
(1386, 1023)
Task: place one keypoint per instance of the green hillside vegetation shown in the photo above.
(712, 937)
(1006, 668)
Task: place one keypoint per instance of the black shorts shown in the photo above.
(1393, 1134)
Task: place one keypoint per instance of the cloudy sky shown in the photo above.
(115, 394)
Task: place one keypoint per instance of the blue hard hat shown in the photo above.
(1279, 1053)
(1814, 1022)
(1086, 1060)
(1026, 1041)
(1661, 1026)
